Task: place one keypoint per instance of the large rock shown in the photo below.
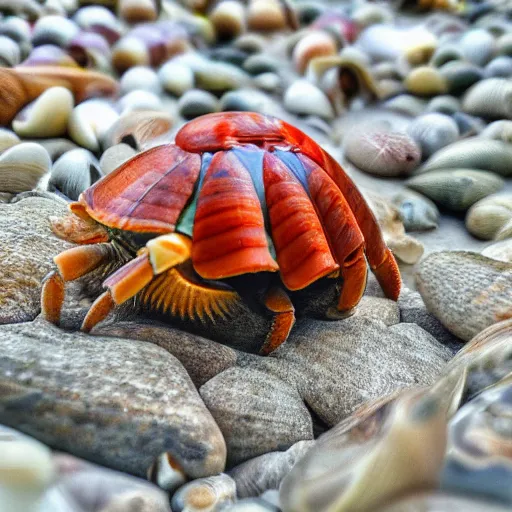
(117, 402)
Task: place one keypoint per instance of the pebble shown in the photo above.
(486, 217)
(114, 156)
(304, 98)
(425, 81)
(443, 502)
(467, 292)
(433, 132)
(176, 78)
(196, 102)
(418, 213)
(140, 78)
(490, 98)
(478, 46)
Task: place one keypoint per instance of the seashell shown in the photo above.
(10, 54)
(473, 153)
(138, 129)
(478, 459)
(269, 82)
(404, 247)
(74, 172)
(57, 30)
(314, 44)
(195, 103)
(49, 55)
(478, 46)
(505, 232)
(426, 81)
(304, 98)
(432, 132)
(176, 78)
(205, 494)
(490, 98)
(381, 152)
(8, 139)
(486, 217)
(136, 11)
(459, 76)
(360, 464)
(269, 16)
(114, 156)
(140, 78)
(47, 116)
(139, 100)
(250, 43)
(500, 67)
(501, 251)
(456, 189)
(228, 18)
(22, 166)
(166, 473)
(446, 53)
(406, 104)
(444, 104)
(418, 213)
(90, 121)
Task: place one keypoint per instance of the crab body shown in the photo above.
(244, 216)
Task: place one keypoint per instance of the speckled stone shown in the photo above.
(385, 310)
(466, 291)
(116, 402)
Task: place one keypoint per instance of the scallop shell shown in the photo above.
(74, 172)
(456, 189)
(90, 121)
(486, 217)
(47, 116)
(361, 463)
(205, 494)
(473, 153)
(22, 166)
(418, 213)
(432, 132)
(491, 98)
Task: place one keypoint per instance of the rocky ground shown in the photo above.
(405, 405)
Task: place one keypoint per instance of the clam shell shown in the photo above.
(140, 78)
(491, 98)
(501, 251)
(361, 464)
(486, 217)
(165, 473)
(418, 213)
(176, 78)
(473, 153)
(228, 18)
(47, 116)
(432, 132)
(90, 121)
(425, 81)
(304, 98)
(456, 189)
(205, 494)
(114, 156)
(22, 166)
(74, 172)
(381, 152)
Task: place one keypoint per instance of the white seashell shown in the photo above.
(140, 78)
(10, 54)
(139, 100)
(304, 98)
(432, 132)
(89, 121)
(488, 216)
(176, 78)
(8, 139)
(490, 98)
(165, 473)
(47, 116)
(114, 156)
(22, 166)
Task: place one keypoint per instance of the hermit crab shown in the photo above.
(244, 216)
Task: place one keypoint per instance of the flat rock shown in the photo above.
(116, 402)
(466, 291)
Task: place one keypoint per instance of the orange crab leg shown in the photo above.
(278, 302)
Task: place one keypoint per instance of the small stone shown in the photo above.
(304, 98)
(140, 78)
(432, 132)
(425, 81)
(501, 250)
(176, 78)
(114, 156)
(195, 103)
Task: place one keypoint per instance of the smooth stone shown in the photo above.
(490, 99)
(56, 30)
(446, 53)
(279, 417)
(418, 212)
(26, 471)
(466, 291)
(57, 147)
(499, 67)
(251, 505)
(406, 104)
(140, 78)
(205, 494)
(498, 130)
(176, 78)
(265, 472)
(246, 100)
(505, 232)
(444, 104)
(26, 255)
(460, 76)
(10, 53)
(115, 156)
(228, 18)
(425, 81)
(456, 189)
(139, 100)
(82, 486)
(312, 45)
(195, 103)
(478, 46)
(473, 153)
(414, 311)
(269, 82)
(469, 126)
(501, 250)
(381, 152)
(432, 132)
(261, 63)
(8, 139)
(304, 98)
(486, 217)
(120, 403)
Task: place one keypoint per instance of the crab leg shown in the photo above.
(71, 264)
(160, 254)
(278, 302)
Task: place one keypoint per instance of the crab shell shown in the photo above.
(255, 208)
